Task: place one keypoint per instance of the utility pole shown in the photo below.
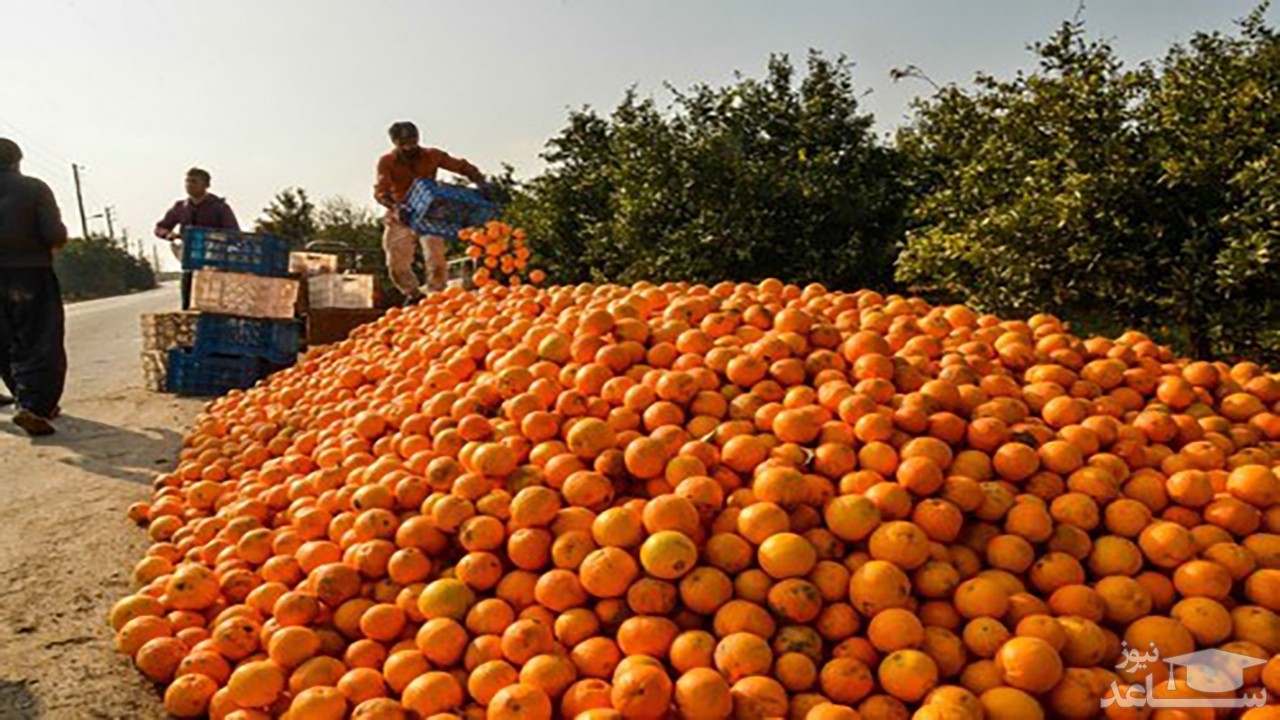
(84, 221)
(111, 231)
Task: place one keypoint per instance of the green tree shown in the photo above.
(339, 220)
(97, 267)
(1025, 185)
(1143, 196)
(779, 176)
(342, 224)
(291, 215)
(566, 209)
(1213, 121)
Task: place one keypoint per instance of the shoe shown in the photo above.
(56, 412)
(33, 424)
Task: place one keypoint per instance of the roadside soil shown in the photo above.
(66, 547)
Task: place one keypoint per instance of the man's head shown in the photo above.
(10, 154)
(404, 135)
(197, 183)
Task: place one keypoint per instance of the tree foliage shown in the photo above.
(1113, 195)
(1139, 195)
(97, 267)
(338, 220)
(291, 215)
(1213, 119)
(1024, 184)
(779, 176)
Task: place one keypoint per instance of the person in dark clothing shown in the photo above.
(33, 358)
(201, 208)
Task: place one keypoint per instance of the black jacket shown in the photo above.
(30, 224)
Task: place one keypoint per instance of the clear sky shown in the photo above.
(272, 93)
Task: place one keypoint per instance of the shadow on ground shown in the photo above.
(121, 453)
(17, 702)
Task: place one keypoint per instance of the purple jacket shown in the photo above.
(212, 212)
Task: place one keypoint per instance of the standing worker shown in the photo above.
(397, 170)
(33, 359)
(202, 209)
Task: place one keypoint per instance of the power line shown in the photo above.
(29, 139)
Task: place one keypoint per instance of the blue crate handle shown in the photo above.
(442, 209)
(234, 251)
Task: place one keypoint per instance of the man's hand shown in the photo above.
(172, 235)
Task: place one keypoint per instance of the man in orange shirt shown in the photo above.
(397, 170)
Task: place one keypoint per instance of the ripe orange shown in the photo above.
(739, 499)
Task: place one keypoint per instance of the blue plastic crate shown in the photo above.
(275, 341)
(201, 375)
(233, 251)
(442, 209)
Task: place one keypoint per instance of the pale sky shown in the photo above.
(273, 93)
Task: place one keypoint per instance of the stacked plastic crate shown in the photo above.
(247, 325)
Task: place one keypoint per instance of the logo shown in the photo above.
(1208, 671)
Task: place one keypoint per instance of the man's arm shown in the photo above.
(382, 187)
(164, 228)
(458, 166)
(52, 230)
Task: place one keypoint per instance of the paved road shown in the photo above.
(104, 341)
(66, 549)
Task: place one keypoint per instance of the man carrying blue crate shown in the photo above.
(397, 171)
(33, 357)
(201, 208)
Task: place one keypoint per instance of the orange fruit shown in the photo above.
(721, 500)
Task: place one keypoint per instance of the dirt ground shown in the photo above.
(66, 548)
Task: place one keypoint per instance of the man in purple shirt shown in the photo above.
(201, 209)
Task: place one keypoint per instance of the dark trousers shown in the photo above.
(33, 360)
(187, 276)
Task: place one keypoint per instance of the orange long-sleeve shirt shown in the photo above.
(396, 173)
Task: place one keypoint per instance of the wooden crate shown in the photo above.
(162, 331)
(155, 370)
(312, 263)
(460, 273)
(339, 291)
(252, 296)
(330, 325)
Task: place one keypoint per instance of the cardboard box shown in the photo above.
(312, 263)
(330, 325)
(339, 291)
(250, 296)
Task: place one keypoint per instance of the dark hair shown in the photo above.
(10, 153)
(198, 173)
(403, 130)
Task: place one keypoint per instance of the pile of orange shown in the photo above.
(502, 255)
(746, 500)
